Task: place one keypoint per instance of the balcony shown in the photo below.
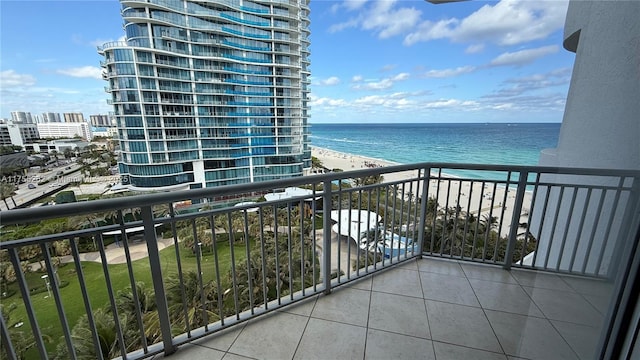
(403, 261)
(425, 309)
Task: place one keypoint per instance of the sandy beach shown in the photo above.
(478, 199)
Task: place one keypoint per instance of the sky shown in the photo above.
(382, 61)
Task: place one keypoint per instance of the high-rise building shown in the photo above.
(100, 120)
(21, 117)
(50, 117)
(73, 117)
(210, 93)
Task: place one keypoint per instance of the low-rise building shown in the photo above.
(59, 145)
(13, 133)
(65, 130)
(107, 132)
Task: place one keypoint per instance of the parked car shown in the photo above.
(31, 186)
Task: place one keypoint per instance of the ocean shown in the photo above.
(492, 143)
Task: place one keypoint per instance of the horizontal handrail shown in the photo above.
(19, 215)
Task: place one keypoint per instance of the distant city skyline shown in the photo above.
(26, 117)
(371, 61)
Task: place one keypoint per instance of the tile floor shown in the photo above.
(426, 309)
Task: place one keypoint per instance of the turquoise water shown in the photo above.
(511, 144)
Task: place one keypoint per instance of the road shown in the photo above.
(24, 194)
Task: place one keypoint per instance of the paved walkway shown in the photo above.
(115, 254)
(138, 250)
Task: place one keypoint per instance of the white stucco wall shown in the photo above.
(600, 129)
(601, 123)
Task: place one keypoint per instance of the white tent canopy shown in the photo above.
(289, 193)
(253, 209)
(354, 223)
(127, 230)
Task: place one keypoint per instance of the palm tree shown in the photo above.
(368, 180)
(316, 163)
(54, 153)
(161, 210)
(83, 338)
(146, 305)
(282, 274)
(21, 341)
(7, 190)
(197, 313)
(68, 153)
(231, 228)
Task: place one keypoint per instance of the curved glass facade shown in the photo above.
(210, 93)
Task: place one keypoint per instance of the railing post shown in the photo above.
(156, 276)
(6, 340)
(26, 298)
(515, 219)
(326, 236)
(629, 217)
(424, 199)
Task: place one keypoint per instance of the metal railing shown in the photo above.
(172, 267)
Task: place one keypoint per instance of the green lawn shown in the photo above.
(71, 294)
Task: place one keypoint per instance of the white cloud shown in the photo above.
(88, 100)
(564, 73)
(400, 77)
(385, 101)
(380, 17)
(333, 80)
(553, 102)
(474, 49)
(352, 23)
(509, 22)
(381, 84)
(82, 72)
(357, 78)
(325, 101)
(450, 103)
(348, 5)
(522, 57)
(505, 106)
(9, 78)
(445, 73)
(353, 4)
(518, 86)
(401, 101)
(377, 85)
(388, 67)
(544, 92)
